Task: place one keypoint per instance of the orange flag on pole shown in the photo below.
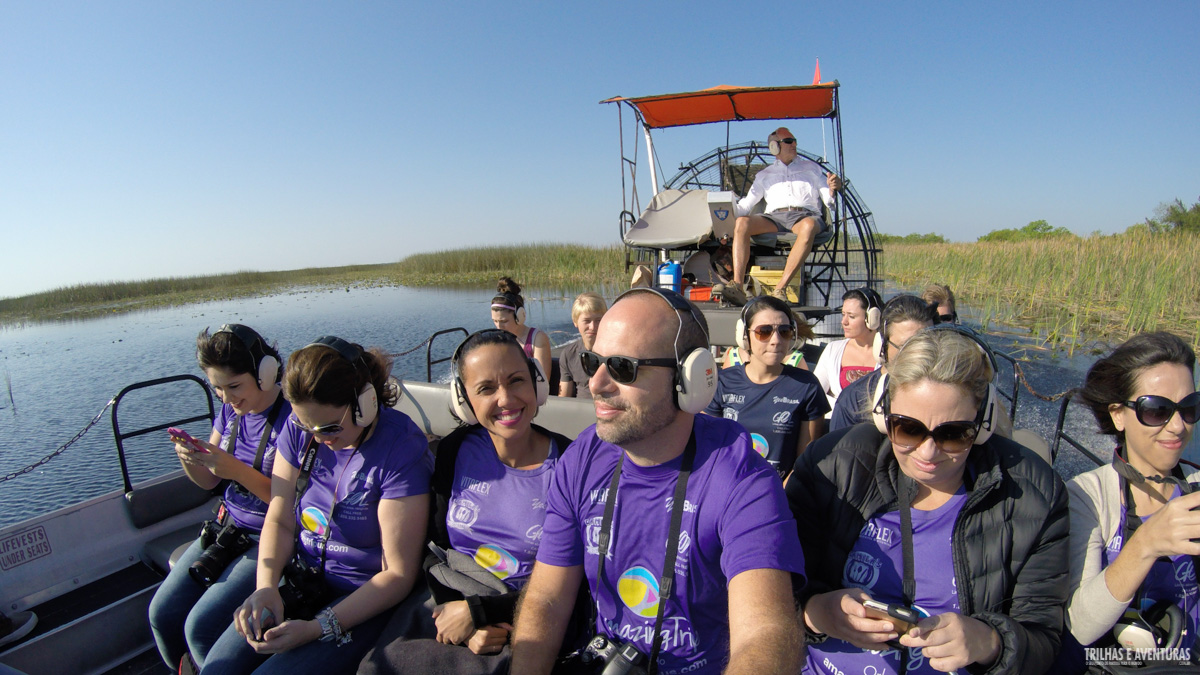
(817, 73)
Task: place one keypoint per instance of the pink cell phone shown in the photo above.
(187, 438)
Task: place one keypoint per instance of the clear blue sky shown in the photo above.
(146, 139)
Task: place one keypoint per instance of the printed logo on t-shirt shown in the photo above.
(313, 520)
(761, 446)
(534, 533)
(468, 483)
(783, 399)
(639, 591)
(592, 530)
(781, 418)
(496, 560)
(880, 533)
(688, 507)
(1185, 572)
(731, 414)
(861, 571)
(539, 504)
(733, 398)
(462, 513)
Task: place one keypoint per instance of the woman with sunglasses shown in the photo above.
(780, 405)
(489, 486)
(845, 361)
(349, 503)
(191, 608)
(928, 512)
(508, 314)
(1134, 527)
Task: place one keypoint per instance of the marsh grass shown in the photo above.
(1068, 290)
(533, 265)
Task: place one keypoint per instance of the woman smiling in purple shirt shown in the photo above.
(349, 504)
(489, 485)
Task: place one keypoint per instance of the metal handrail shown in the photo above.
(121, 437)
(1060, 435)
(1016, 390)
(429, 361)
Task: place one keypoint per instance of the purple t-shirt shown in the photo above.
(1173, 580)
(246, 509)
(393, 463)
(735, 519)
(495, 512)
(876, 565)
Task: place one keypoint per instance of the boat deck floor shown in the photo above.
(94, 596)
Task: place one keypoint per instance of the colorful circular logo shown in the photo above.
(639, 591)
(760, 444)
(497, 561)
(313, 520)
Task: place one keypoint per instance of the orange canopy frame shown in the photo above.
(725, 103)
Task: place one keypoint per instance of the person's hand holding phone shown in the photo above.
(951, 641)
(841, 614)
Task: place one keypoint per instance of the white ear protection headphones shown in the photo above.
(266, 367)
(513, 304)
(366, 407)
(873, 306)
(742, 328)
(987, 418)
(696, 376)
(773, 145)
(460, 404)
(1145, 630)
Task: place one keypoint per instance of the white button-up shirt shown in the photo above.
(800, 183)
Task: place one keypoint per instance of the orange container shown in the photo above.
(699, 293)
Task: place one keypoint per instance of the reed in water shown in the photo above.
(1067, 289)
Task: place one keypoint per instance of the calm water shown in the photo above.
(61, 375)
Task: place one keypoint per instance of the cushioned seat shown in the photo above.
(163, 552)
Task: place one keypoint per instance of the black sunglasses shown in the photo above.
(763, 332)
(949, 318)
(787, 141)
(623, 369)
(907, 433)
(1156, 411)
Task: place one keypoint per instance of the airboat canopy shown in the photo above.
(726, 103)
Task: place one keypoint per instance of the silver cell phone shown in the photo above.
(902, 618)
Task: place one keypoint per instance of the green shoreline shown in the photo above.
(1068, 291)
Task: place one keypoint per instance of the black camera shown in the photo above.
(221, 546)
(303, 590)
(611, 657)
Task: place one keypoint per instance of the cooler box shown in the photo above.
(720, 211)
(768, 279)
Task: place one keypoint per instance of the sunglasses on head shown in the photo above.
(321, 429)
(763, 332)
(1156, 411)
(907, 433)
(623, 369)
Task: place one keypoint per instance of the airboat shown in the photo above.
(688, 218)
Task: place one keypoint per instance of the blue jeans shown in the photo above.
(232, 655)
(185, 616)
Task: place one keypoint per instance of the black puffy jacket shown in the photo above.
(1009, 543)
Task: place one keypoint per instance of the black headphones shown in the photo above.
(460, 404)
(696, 372)
(366, 406)
(265, 369)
